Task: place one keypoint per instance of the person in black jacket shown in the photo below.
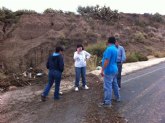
(55, 64)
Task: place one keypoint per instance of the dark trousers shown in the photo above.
(53, 76)
(119, 65)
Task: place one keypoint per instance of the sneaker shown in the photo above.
(61, 93)
(105, 105)
(86, 87)
(43, 98)
(76, 89)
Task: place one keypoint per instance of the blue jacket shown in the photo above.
(55, 62)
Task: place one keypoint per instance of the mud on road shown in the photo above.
(24, 106)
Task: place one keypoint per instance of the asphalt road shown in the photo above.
(143, 95)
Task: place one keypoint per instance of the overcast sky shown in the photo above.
(127, 6)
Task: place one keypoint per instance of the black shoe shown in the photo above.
(117, 100)
(43, 98)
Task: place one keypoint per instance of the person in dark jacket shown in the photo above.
(55, 64)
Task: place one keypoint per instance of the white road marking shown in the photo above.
(143, 75)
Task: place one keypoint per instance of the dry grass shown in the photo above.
(159, 54)
(92, 63)
(2, 76)
(139, 37)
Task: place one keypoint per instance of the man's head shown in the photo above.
(117, 41)
(111, 40)
(59, 49)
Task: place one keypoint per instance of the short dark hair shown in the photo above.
(112, 40)
(80, 45)
(58, 49)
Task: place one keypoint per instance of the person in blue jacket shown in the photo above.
(55, 64)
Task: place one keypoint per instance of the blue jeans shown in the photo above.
(53, 76)
(110, 82)
(80, 71)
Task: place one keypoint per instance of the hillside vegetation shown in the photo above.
(27, 37)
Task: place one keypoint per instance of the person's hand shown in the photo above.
(102, 73)
(86, 59)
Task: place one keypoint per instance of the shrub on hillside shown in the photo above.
(97, 12)
(6, 14)
(131, 57)
(141, 23)
(157, 18)
(50, 10)
(139, 37)
(136, 56)
(141, 57)
(92, 63)
(22, 12)
(97, 49)
(159, 54)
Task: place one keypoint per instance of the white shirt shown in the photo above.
(80, 59)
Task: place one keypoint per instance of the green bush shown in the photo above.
(22, 12)
(97, 12)
(50, 10)
(97, 49)
(6, 14)
(139, 37)
(136, 56)
(157, 18)
(141, 57)
(131, 57)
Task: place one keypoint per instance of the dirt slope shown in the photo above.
(28, 42)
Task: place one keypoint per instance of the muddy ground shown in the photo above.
(23, 105)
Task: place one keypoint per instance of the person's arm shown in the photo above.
(47, 64)
(87, 55)
(107, 56)
(61, 63)
(76, 56)
(123, 55)
(106, 62)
